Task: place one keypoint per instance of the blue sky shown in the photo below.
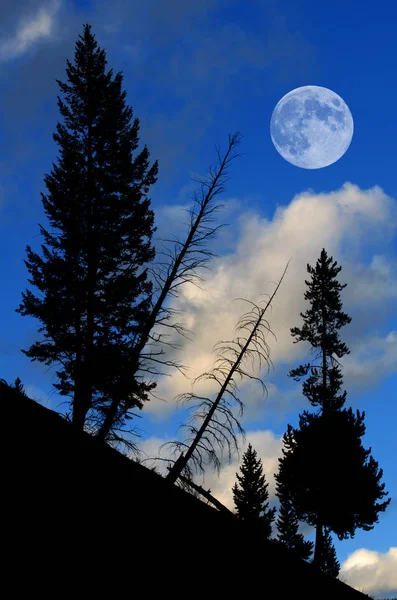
(193, 73)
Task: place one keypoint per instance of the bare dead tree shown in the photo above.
(182, 266)
(219, 425)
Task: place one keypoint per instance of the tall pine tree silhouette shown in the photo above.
(96, 295)
(250, 493)
(321, 323)
(332, 481)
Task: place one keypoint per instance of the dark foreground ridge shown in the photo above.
(80, 513)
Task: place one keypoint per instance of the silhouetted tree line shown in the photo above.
(104, 313)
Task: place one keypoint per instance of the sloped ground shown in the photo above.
(80, 514)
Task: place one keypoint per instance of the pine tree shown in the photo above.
(320, 328)
(18, 385)
(321, 323)
(94, 278)
(331, 475)
(330, 563)
(332, 480)
(250, 493)
(288, 525)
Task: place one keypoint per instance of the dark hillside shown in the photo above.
(78, 511)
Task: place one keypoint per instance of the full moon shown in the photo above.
(311, 127)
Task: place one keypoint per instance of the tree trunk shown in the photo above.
(109, 420)
(317, 559)
(183, 459)
(324, 399)
(81, 403)
(206, 494)
(83, 387)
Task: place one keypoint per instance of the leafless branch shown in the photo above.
(188, 257)
(213, 428)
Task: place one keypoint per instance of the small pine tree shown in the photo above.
(250, 494)
(329, 561)
(18, 385)
(287, 526)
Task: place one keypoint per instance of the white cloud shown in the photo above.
(341, 221)
(267, 445)
(371, 572)
(36, 393)
(150, 449)
(30, 30)
(373, 359)
(257, 404)
(374, 282)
